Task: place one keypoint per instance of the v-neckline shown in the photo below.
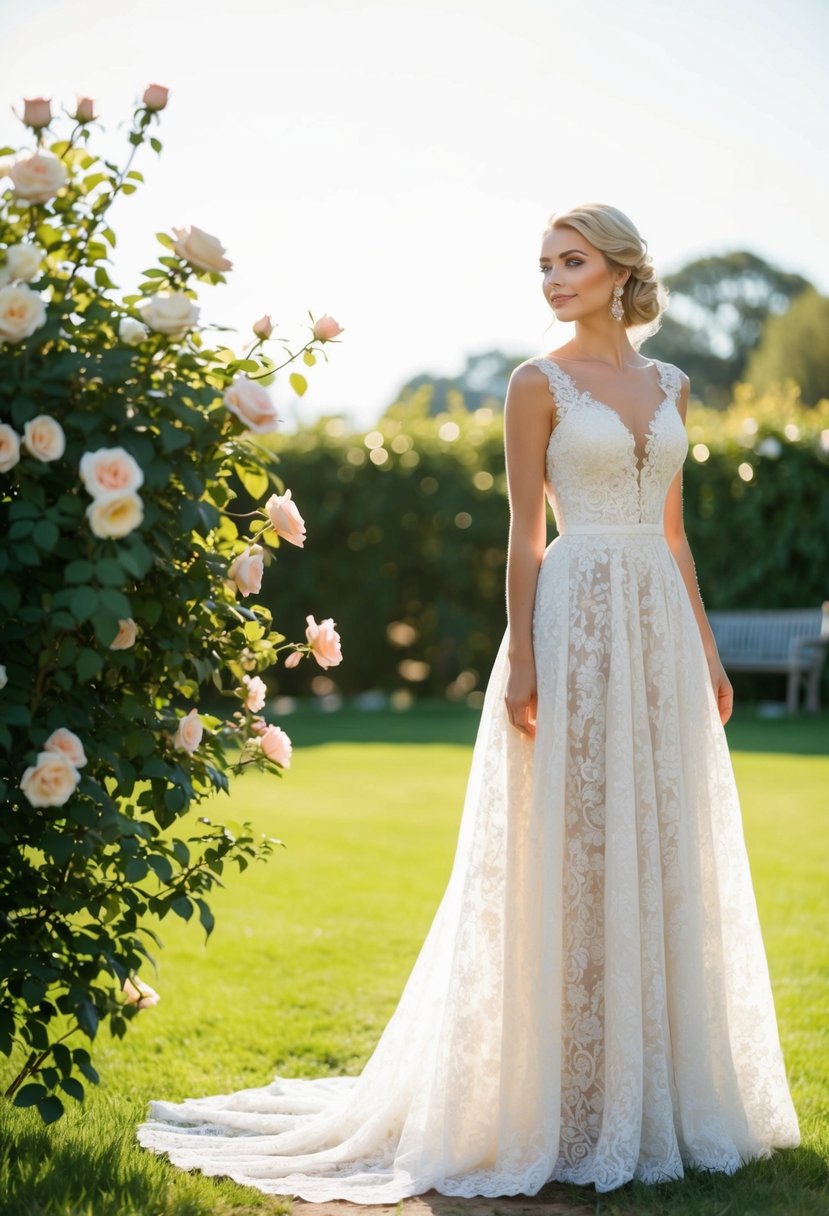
(649, 431)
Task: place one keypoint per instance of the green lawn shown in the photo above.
(311, 951)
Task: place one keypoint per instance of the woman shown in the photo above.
(592, 1001)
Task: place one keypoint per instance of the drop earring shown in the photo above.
(616, 309)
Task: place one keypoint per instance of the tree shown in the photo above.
(795, 345)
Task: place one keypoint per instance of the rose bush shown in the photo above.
(122, 571)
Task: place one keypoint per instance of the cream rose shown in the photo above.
(125, 637)
(66, 742)
(84, 109)
(286, 519)
(324, 641)
(139, 994)
(170, 312)
(110, 471)
(155, 96)
(37, 112)
(51, 781)
(4, 679)
(200, 249)
(9, 447)
(37, 178)
(326, 328)
(276, 745)
(21, 312)
(246, 570)
(188, 736)
(43, 438)
(252, 404)
(114, 515)
(256, 693)
(132, 332)
(22, 263)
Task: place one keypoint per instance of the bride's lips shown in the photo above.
(561, 299)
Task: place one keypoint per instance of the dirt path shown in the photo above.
(550, 1201)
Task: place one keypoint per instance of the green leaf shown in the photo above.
(73, 1087)
(162, 866)
(83, 603)
(78, 571)
(182, 907)
(88, 665)
(50, 1108)
(45, 535)
(29, 1095)
(309, 357)
(135, 869)
(115, 602)
(298, 383)
(255, 483)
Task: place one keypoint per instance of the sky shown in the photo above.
(394, 164)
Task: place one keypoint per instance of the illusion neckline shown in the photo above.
(649, 431)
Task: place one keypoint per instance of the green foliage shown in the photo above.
(410, 525)
(87, 858)
(793, 346)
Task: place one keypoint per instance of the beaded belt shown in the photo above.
(601, 529)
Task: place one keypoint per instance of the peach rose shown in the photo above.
(170, 312)
(155, 96)
(324, 641)
(37, 178)
(139, 994)
(285, 518)
(326, 328)
(246, 570)
(188, 736)
(21, 312)
(67, 742)
(252, 404)
(263, 328)
(51, 781)
(256, 693)
(276, 745)
(110, 471)
(132, 332)
(9, 447)
(113, 515)
(84, 109)
(200, 249)
(125, 637)
(43, 438)
(22, 263)
(37, 112)
(294, 658)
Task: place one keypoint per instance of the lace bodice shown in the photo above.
(592, 471)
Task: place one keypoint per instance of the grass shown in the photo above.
(311, 952)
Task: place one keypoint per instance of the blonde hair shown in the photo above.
(644, 297)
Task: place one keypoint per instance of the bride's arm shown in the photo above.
(678, 542)
(527, 418)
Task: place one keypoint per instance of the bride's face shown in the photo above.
(576, 279)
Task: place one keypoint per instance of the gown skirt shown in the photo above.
(592, 1000)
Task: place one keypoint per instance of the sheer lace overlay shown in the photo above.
(592, 1001)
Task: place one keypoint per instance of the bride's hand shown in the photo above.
(521, 697)
(722, 688)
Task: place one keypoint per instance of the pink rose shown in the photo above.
(294, 658)
(326, 328)
(263, 328)
(276, 745)
(324, 641)
(246, 570)
(67, 742)
(84, 109)
(200, 249)
(139, 994)
(38, 178)
(188, 736)
(256, 694)
(285, 518)
(252, 404)
(110, 471)
(43, 438)
(125, 637)
(51, 781)
(155, 96)
(9, 447)
(37, 112)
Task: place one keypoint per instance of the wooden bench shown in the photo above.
(791, 640)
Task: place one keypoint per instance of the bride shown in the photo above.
(592, 1001)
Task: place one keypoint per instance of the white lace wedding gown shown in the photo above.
(592, 1001)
